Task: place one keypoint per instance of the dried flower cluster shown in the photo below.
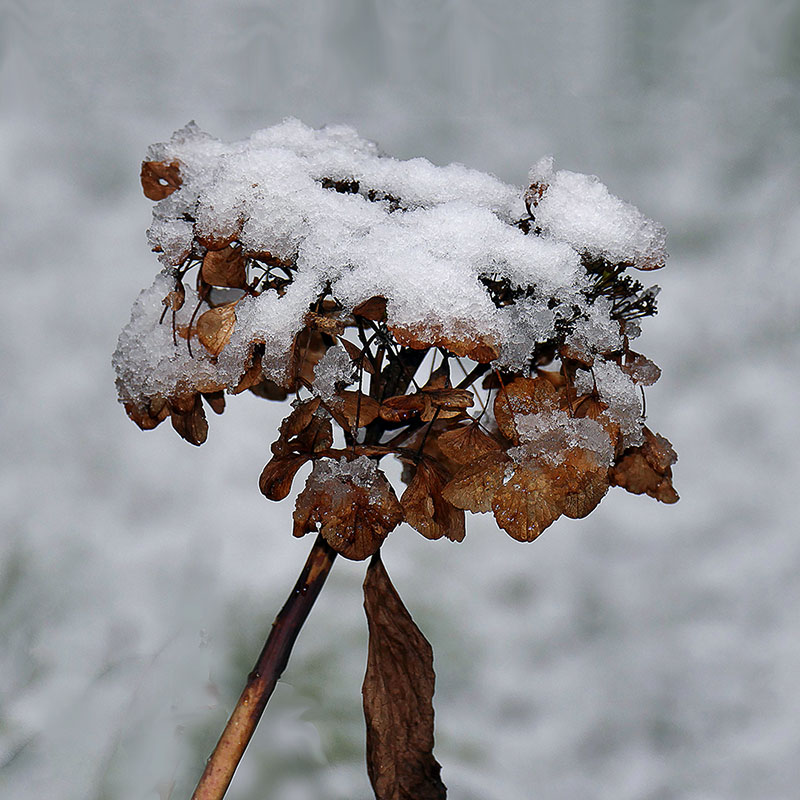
(479, 334)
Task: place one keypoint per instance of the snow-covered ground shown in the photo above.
(648, 651)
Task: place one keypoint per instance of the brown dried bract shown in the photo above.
(477, 346)
(520, 397)
(398, 697)
(215, 327)
(159, 179)
(226, 267)
(373, 309)
(189, 419)
(147, 418)
(647, 469)
(425, 508)
(640, 369)
(277, 477)
(353, 410)
(354, 519)
(467, 443)
(304, 431)
(473, 487)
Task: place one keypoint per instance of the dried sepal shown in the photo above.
(277, 476)
(307, 349)
(304, 430)
(474, 345)
(358, 356)
(647, 469)
(520, 397)
(147, 417)
(225, 267)
(473, 487)
(216, 400)
(189, 419)
(353, 410)
(176, 298)
(215, 327)
(352, 517)
(159, 179)
(373, 309)
(325, 323)
(640, 369)
(425, 508)
(398, 697)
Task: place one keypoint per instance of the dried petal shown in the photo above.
(474, 345)
(398, 698)
(374, 309)
(144, 417)
(402, 408)
(215, 327)
(354, 519)
(159, 179)
(357, 356)
(190, 424)
(647, 469)
(225, 267)
(474, 486)
(276, 479)
(353, 410)
(526, 504)
(522, 396)
(466, 443)
(641, 369)
(216, 400)
(425, 508)
(445, 403)
(325, 323)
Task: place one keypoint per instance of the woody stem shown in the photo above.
(262, 680)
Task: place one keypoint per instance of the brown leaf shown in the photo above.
(466, 443)
(276, 479)
(351, 412)
(226, 267)
(308, 348)
(354, 519)
(426, 510)
(159, 179)
(216, 400)
(357, 356)
(647, 469)
(398, 697)
(474, 486)
(445, 403)
(402, 407)
(190, 424)
(176, 298)
(374, 309)
(525, 505)
(641, 369)
(324, 323)
(304, 431)
(144, 417)
(522, 396)
(215, 327)
(473, 344)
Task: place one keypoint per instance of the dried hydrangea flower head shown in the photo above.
(479, 333)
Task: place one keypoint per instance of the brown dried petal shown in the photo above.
(159, 179)
(425, 508)
(325, 323)
(216, 400)
(477, 346)
(308, 348)
(474, 486)
(522, 396)
(374, 309)
(398, 698)
(351, 412)
(354, 520)
(525, 505)
(357, 356)
(276, 479)
(192, 424)
(215, 327)
(298, 421)
(402, 408)
(144, 417)
(176, 298)
(445, 403)
(225, 267)
(466, 443)
(641, 369)
(647, 469)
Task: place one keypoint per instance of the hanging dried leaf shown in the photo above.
(325, 323)
(176, 298)
(191, 424)
(159, 179)
(641, 369)
(215, 327)
(358, 357)
(226, 267)
(425, 508)
(144, 417)
(276, 479)
(474, 345)
(466, 443)
(402, 408)
(474, 486)
(308, 348)
(354, 518)
(398, 697)
(353, 410)
(254, 373)
(445, 403)
(304, 431)
(648, 469)
(373, 309)
(522, 396)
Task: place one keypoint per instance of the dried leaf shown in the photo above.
(647, 469)
(304, 431)
(402, 408)
(308, 348)
(466, 443)
(474, 486)
(526, 505)
(226, 267)
(325, 323)
(354, 519)
(159, 179)
(191, 424)
(215, 327)
(351, 412)
(425, 508)
(398, 698)
(522, 396)
(144, 417)
(445, 403)
(276, 479)
(473, 344)
(374, 309)
(176, 298)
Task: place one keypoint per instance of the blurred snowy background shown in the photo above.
(646, 652)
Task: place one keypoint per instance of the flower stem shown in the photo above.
(262, 680)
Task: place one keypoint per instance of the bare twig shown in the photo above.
(262, 680)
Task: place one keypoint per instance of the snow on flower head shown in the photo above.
(431, 313)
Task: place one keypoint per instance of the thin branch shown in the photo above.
(262, 680)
